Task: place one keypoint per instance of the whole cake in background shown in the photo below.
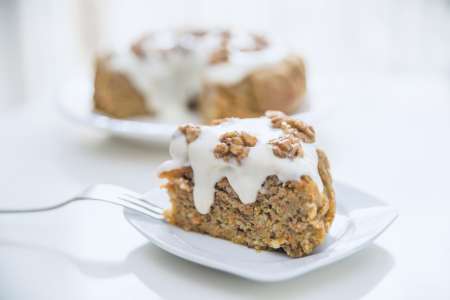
(215, 73)
(259, 182)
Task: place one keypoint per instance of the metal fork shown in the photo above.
(106, 193)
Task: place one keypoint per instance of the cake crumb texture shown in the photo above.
(292, 216)
(115, 95)
(279, 87)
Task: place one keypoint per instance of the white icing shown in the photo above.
(246, 178)
(240, 64)
(167, 80)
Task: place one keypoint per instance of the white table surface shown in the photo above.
(389, 135)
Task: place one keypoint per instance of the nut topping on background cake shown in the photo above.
(191, 132)
(137, 47)
(260, 43)
(222, 53)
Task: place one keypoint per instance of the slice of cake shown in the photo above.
(217, 73)
(259, 182)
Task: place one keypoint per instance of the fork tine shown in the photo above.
(139, 208)
(143, 200)
(113, 190)
(144, 205)
(124, 197)
(133, 195)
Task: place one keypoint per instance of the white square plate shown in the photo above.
(360, 218)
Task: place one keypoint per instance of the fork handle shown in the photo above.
(36, 209)
(135, 207)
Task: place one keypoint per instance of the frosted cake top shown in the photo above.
(246, 152)
(169, 67)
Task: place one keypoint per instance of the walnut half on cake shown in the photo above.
(259, 182)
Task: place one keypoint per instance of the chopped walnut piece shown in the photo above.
(299, 129)
(277, 117)
(220, 150)
(221, 55)
(191, 132)
(235, 145)
(287, 146)
(225, 36)
(137, 48)
(292, 126)
(249, 140)
(260, 43)
(198, 33)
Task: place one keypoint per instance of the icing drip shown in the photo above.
(168, 73)
(245, 177)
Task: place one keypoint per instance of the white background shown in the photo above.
(384, 69)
